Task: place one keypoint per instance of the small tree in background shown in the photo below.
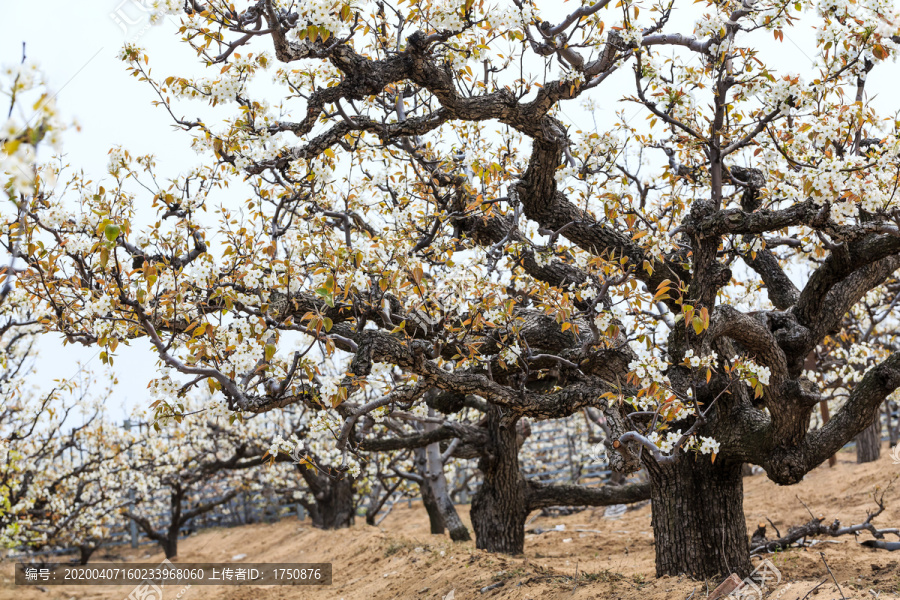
(189, 462)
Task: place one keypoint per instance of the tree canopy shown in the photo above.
(422, 226)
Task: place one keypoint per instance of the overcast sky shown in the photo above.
(76, 44)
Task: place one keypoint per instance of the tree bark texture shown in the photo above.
(698, 518)
(499, 507)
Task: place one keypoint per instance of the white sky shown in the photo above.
(76, 44)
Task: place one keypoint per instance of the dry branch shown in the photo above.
(816, 527)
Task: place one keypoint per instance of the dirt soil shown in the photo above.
(592, 557)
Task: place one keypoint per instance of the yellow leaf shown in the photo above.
(697, 322)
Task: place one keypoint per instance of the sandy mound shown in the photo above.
(592, 558)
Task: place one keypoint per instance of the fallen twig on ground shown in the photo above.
(816, 527)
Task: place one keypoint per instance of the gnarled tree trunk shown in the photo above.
(333, 507)
(868, 442)
(698, 518)
(499, 507)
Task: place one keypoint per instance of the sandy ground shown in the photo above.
(592, 558)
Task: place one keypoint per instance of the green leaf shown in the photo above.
(326, 295)
(270, 351)
(111, 232)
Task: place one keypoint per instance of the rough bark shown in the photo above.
(788, 464)
(542, 496)
(334, 507)
(781, 290)
(499, 507)
(698, 518)
(868, 442)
